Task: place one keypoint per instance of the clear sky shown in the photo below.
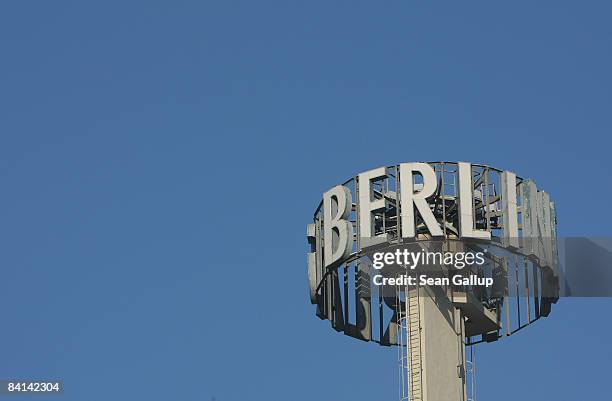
(159, 162)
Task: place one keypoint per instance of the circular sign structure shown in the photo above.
(483, 237)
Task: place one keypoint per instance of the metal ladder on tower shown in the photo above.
(414, 344)
(409, 344)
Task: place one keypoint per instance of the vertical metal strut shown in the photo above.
(470, 365)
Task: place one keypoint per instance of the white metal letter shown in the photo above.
(368, 203)
(466, 204)
(509, 209)
(337, 230)
(410, 198)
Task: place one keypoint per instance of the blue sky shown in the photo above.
(159, 162)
